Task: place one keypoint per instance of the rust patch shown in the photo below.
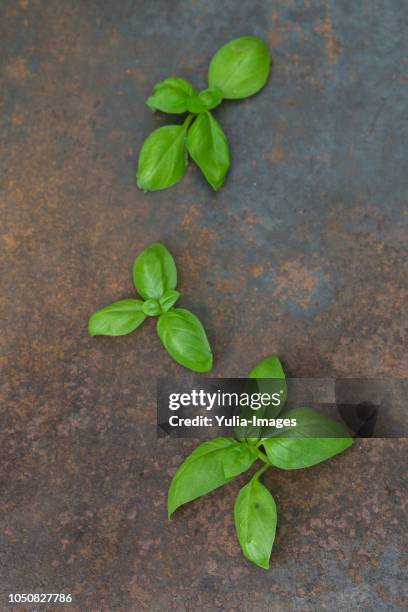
(257, 271)
(228, 285)
(11, 242)
(17, 69)
(192, 215)
(276, 155)
(325, 27)
(296, 283)
(275, 37)
(137, 74)
(16, 120)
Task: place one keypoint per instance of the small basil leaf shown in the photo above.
(168, 299)
(240, 68)
(255, 522)
(211, 97)
(315, 438)
(117, 319)
(185, 339)
(205, 100)
(171, 95)
(200, 473)
(151, 308)
(239, 459)
(163, 158)
(269, 368)
(208, 146)
(196, 105)
(154, 272)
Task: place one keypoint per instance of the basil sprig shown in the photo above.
(215, 463)
(238, 70)
(181, 332)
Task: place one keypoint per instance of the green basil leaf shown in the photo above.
(163, 158)
(117, 319)
(255, 522)
(269, 368)
(154, 272)
(315, 438)
(205, 100)
(208, 146)
(168, 299)
(239, 459)
(200, 473)
(240, 68)
(171, 95)
(184, 338)
(151, 308)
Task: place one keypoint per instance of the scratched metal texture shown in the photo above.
(303, 253)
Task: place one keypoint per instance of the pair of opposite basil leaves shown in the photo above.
(238, 70)
(215, 463)
(181, 332)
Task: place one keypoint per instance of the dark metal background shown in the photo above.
(303, 253)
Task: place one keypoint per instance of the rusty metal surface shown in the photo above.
(303, 253)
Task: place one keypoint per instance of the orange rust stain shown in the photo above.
(207, 235)
(295, 282)
(137, 74)
(191, 263)
(249, 217)
(257, 271)
(275, 37)
(228, 285)
(10, 241)
(276, 155)
(17, 70)
(86, 552)
(16, 120)
(196, 257)
(325, 27)
(192, 215)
